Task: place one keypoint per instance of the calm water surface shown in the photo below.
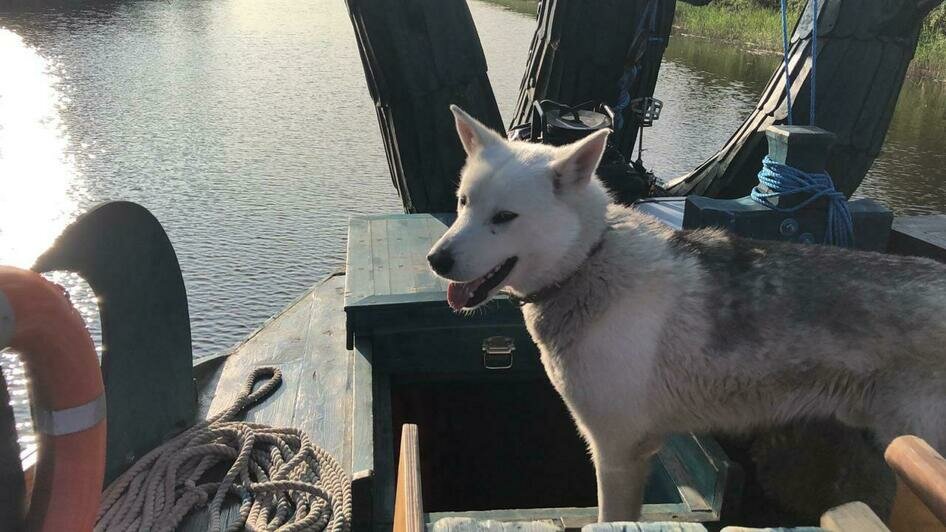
(246, 127)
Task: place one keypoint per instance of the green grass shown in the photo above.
(527, 7)
(930, 59)
(738, 22)
(747, 24)
(750, 24)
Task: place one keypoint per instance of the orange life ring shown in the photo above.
(37, 320)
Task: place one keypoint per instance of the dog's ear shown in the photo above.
(473, 135)
(579, 160)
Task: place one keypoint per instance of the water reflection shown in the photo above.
(40, 186)
(246, 127)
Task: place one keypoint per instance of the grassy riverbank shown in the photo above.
(747, 23)
(760, 28)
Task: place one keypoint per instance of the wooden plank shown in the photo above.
(409, 500)
(689, 473)
(571, 517)
(646, 527)
(667, 210)
(362, 415)
(383, 493)
(466, 524)
(380, 263)
(923, 236)
(403, 254)
(852, 517)
(909, 513)
(418, 58)
(307, 343)
(921, 469)
(322, 403)
(359, 280)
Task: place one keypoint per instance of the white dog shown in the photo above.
(645, 331)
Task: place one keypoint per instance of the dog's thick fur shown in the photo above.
(647, 331)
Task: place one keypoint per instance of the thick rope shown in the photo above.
(783, 180)
(284, 482)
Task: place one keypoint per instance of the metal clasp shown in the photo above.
(497, 352)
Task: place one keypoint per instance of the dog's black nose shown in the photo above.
(441, 261)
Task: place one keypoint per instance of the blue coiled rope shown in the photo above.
(783, 180)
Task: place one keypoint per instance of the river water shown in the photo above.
(246, 127)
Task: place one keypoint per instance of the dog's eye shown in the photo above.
(462, 201)
(503, 217)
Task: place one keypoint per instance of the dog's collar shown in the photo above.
(546, 291)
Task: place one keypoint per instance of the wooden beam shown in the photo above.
(852, 517)
(922, 471)
(409, 502)
(420, 56)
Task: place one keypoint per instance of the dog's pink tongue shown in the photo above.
(457, 295)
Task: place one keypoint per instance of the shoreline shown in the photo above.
(759, 32)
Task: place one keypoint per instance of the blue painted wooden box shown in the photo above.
(496, 441)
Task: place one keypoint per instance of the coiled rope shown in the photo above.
(783, 180)
(284, 482)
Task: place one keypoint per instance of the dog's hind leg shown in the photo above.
(622, 470)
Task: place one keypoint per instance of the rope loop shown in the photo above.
(282, 480)
(782, 180)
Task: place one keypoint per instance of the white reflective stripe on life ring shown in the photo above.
(70, 420)
(7, 321)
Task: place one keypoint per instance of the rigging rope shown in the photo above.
(788, 79)
(783, 180)
(814, 58)
(814, 61)
(284, 482)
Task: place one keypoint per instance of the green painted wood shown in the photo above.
(122, 251)
(669, 211)
(380, 256)
(420, 56)
(307, 342)
(923, 236)
(362, 415)
(384, 485)
(700, 470)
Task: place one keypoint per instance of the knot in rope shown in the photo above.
(783, 180)
(282, 480)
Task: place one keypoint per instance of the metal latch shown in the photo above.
(497, 352)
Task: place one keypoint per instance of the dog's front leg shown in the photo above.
(622, 473)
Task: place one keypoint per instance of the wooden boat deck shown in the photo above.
(307, 342)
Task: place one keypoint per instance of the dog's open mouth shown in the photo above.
(471, 294)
